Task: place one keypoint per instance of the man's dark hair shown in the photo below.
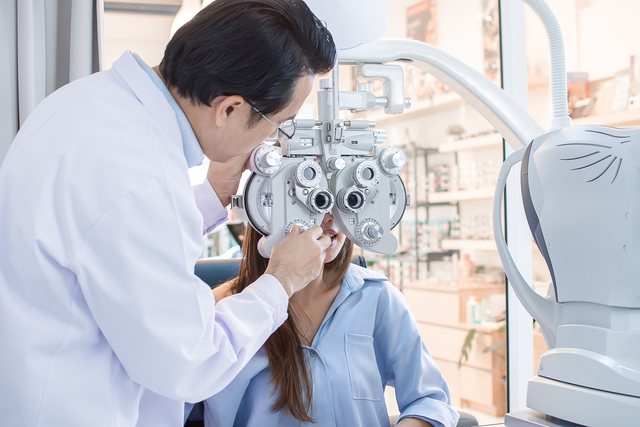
(257, 49)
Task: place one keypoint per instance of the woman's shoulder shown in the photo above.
(365, 273)
(364, 279)
(385, 302)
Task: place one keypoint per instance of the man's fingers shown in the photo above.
(315, 231)
(295, 230)
(325, 241)
(317, 234)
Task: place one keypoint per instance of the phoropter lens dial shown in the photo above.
(367, 174)
(308, 173)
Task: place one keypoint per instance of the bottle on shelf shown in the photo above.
(454, 232)
(474, 313)
(455, 264)
(466, 269)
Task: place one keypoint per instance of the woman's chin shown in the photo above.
(330, 257)
(333, 250)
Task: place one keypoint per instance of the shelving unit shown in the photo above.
(457, 196)
(616, 119)
(416, 229)
(474, 143)
(440, 310)
(478, 244)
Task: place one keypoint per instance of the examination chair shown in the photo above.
(214, 271)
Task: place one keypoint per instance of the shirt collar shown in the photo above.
(356, 277)
(190, 145)
(352, 283)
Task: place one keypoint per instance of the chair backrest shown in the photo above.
(215, 271)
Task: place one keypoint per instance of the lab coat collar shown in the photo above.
(140, 78)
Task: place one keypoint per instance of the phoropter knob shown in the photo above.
(369, 231)
(379, 136)
(302, 226)
(266, 160)
(392, 160)
(336, 164)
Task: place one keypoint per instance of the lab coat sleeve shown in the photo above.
(421, 391)
(209, 206)
(135, 271)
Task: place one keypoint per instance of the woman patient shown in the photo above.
(349, 334)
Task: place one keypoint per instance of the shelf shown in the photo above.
(413, 151)
(617, 118)
(422, 204)
(537, 81)
(453, 244)
(419, 108)
(383, 258)
(475, 143)
(431, 256)
(457, 196)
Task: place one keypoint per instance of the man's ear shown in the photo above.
(227, 108)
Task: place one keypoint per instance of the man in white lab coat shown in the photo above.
(102, 320)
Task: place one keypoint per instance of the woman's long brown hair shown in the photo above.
(289, 370)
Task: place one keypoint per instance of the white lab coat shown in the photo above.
(102, 321)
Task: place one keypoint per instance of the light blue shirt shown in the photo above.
(368, 340)
(190, 144)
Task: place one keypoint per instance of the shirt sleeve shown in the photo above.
(421, 390)
(135, 272)
(209, 206)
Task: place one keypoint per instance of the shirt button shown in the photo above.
(313, 353)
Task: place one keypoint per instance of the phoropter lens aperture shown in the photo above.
(351, 200)
(355, 200)
(320, 200)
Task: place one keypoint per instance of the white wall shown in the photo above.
(599, 36)
(538, 41)
(461, 36)
(609, 34)
(146, 35)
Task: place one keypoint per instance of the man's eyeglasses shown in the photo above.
(290, 125)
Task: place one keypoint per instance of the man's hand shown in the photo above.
(225, 177)
(222, 291)
(298, 258)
